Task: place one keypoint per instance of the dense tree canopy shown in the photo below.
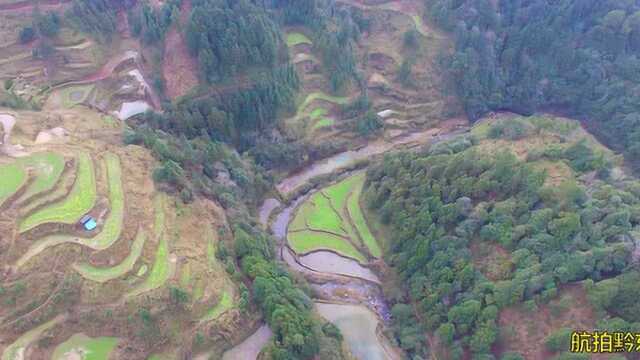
(581, 57)
(440, 202)
(228, 37)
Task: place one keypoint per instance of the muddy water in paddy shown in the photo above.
(329, 262)
(359, 328)
(337, 279)
(351, 293)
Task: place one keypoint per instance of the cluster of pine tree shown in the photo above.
(333, 31)
(287, 309)
(96, 17)
(581, 57)
(228, 37)
(151, 24)
(236, 117)
(443, 200)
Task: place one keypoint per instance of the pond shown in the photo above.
(329, 262)
(358, 326)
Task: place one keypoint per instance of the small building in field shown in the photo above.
(88, 223)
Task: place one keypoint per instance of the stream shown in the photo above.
(347, 293)
(349, 158)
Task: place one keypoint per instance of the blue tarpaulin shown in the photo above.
(89, 223)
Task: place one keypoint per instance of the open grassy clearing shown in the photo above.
(296, 38)
(16, 350)
(80, 200)
(333, 220)
(224, 303)
(12, 179)
(103, 275)
(80, 346)
(47, 168)
(162, 267)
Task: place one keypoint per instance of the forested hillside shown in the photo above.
(447, 202)
(577, 57)
(229, 36)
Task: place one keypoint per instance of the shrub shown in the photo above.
(27, 34)
(511, 130)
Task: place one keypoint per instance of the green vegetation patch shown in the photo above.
(306, 241)
(75, 95)
(225, 303)
(360, 223)
(102, 275)
(80, 200)
(12, 179)
(339, 192)
(113, 224)
(323, 123)
(162, 268)
(296, 38)
(332, 219)
(80, 346)
(322, 216)
(185, 275)
(340, 100)
(317, 113)
(47, 168)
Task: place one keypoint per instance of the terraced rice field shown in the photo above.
(47, 168)
(103, 275)
(80, 200)
(225, 303)
(340, 100)
(113, 224)
(59, 192)
(162, 268)
(12, 179)
(80, 346)
(16, 350)
(296, 38)
(331, 219)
